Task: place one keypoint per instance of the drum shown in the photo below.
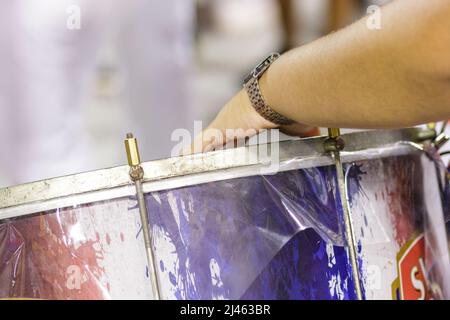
(230, 224)
(447, 203)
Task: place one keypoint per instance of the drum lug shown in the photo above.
(430, 134)
(334, 144)
(426, 134)
(137, 176)
(440, 140)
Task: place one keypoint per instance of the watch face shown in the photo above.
(265, 64)
(261, 67)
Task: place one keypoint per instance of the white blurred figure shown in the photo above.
(41, 122)
(47, 76)
(156, 52)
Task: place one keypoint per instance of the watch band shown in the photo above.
(251, 86)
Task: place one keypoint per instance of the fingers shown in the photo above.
(207, 140)
(236, 122)
(300, 130)
(214, 139)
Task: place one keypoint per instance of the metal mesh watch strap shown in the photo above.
(251, 85)
(260, 105)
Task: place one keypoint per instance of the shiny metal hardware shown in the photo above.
(334, 145)
(137, 176)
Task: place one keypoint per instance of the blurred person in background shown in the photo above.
(48, 77)
(339, 14)
(68, 96)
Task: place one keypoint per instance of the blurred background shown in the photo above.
(69, 93)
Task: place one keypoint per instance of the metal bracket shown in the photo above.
(442, 138)
(334, 145)
(426, 134)
(137, 176)
(431, 134)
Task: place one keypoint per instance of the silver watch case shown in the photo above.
(251, 86)
(259, 70)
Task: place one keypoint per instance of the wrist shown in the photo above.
(264, 86)
(256, 97)
(251, 116)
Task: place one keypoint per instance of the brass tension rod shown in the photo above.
(137, 176)
(334, 145)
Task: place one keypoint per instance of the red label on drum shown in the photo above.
(411, 283)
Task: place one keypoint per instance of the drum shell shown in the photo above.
(249, 236)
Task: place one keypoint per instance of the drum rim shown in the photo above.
(170, 173)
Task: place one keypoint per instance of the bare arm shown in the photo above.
(393, 77)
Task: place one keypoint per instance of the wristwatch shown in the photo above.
(251, 86)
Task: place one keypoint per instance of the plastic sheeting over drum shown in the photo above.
(280, 236)
(257, 237)
(84, 252)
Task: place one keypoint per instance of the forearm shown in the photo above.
(398, 76)
(394, 77)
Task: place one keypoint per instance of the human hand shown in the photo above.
(238, 121)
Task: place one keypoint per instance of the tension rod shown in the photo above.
(334, 145)
(137, 176)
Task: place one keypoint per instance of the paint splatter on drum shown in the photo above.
(86, 252)
(279, 237)
(257, 237)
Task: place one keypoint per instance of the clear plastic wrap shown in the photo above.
(85, 252)
(397, 212)
(447, 203)
(216, 240)
(280, 236)
(256, 237)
